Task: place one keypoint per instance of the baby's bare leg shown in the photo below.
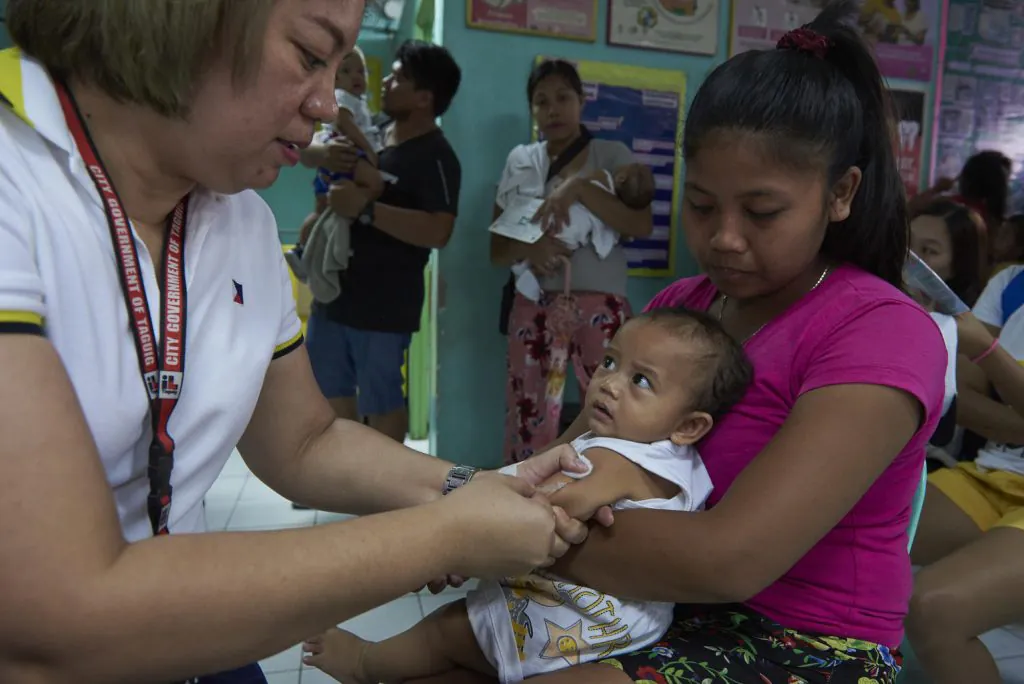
(443, 642)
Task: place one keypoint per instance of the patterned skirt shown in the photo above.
(736, 645)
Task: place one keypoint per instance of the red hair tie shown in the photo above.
(807, 40)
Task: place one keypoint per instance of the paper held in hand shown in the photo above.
(516, 222)
(918, 276)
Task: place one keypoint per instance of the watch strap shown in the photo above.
(458, 476)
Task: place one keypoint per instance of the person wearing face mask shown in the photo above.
(142, 339)
(950, 238)
(557, 169)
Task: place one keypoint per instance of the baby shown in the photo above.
(633, 184)
(355, 123)
(666, 375)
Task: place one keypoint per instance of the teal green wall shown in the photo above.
(5, 40)
(488, 118)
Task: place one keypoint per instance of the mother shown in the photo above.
(798, 571)
(163, 113)
(533, 406)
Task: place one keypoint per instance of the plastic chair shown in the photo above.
(909, 659)
(916, 506)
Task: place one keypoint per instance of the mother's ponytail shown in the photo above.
(820, 99)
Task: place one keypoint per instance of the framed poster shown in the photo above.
(668, 25)
(909, 106)
(571, 19)
(903, 33)
(981, 98)
(642, 108)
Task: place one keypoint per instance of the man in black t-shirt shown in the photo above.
(357, 343)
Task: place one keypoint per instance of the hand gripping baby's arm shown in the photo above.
(612, 478)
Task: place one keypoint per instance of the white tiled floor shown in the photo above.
(239, 501)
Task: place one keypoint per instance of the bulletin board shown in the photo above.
(667, 25)
(981, 101)
(904, 35)
(374, 83)
(569, 19)
(642, 108)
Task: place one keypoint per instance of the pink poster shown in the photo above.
(572, 19)
(903, 33)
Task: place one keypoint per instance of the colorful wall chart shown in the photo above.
(642, 108)
(668, 25)
(909, 106)
(902, 32)
(572, 19)
(981, 104)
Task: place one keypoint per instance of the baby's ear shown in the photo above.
(692, 428)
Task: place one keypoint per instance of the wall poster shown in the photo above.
(981, 100)
(669, 25)
(572, 19)
(903, 33)
(642, 108)
(909, 106)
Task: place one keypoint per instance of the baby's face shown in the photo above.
(351, 77)
(633, 173)
(641, 391)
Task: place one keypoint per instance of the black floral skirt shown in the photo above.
(735, 645)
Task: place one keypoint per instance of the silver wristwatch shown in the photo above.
(458, 476)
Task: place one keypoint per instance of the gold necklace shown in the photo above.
(725, 300)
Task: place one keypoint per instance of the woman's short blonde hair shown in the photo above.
(147, 52)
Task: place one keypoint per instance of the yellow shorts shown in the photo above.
(992, 498)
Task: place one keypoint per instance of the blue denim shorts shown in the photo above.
(366, 364)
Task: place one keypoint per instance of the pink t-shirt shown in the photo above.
(854, 328)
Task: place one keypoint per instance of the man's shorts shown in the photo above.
(358, 363)
(992, 498)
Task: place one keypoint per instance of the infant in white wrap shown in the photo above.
(667, 374)
(525, 176)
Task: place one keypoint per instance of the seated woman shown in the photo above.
(798, 570)
(950, 238)
(968, 538)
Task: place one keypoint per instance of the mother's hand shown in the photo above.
(546, 254)
(553, 215)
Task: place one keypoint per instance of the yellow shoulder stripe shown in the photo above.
(284, 348)
(12, 94)
(25, 317)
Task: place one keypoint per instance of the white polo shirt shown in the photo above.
(989, 309)
(58, 277)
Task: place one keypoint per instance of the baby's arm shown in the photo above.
(367, 177)
(613, 478)
(346, 125)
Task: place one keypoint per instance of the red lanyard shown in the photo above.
(162, 369)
